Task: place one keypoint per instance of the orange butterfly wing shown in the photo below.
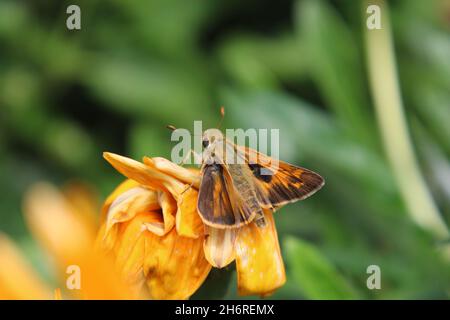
(277, 182)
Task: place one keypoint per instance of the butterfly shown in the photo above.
(238, 183)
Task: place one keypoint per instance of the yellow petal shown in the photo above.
(99, 279)
(129, 203)
(169, 208)
(143, 174)
(84, 202)
(132, 269)
(219, 246)
(185, 175)
(129, 250)
(259, 264)
(174, 266)
(188, 222)
(121, 188)
(105, 241)
(17, 279)
(52, 222)
(57, 294)
(120, 207)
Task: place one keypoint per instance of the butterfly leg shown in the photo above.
(198, 158)
(260, 219)
(187, 188)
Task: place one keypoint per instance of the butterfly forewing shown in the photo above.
(219, 204)
(288, 184)
(278, 182)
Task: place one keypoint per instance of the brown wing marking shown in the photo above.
(219, 204)
(279, 183)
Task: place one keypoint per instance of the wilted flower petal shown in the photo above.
(219, 246)
(188, 176)
(175, 266)
(188, 222)
(129, 249)
(259, 264)
(130, 203)
(143, 174)
(169, 208)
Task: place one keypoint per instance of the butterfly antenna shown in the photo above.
(173, 128)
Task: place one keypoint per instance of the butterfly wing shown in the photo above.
(289, 184)
(219, 204)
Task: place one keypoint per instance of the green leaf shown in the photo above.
(316, 276)
(150, 89)
(256, 62)
(150, 140)
(307, 132)
(336, 66)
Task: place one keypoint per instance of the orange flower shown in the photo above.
(18, 280)
(150, 225)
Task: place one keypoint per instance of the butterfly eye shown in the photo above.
(205, 143)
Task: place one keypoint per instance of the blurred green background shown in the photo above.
(297, 65)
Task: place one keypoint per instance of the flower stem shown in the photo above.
(394, 130)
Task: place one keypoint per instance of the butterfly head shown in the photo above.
(211, 137)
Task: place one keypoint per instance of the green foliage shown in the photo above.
(336, 66)
(314, 274)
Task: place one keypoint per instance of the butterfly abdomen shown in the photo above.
(247, 191)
